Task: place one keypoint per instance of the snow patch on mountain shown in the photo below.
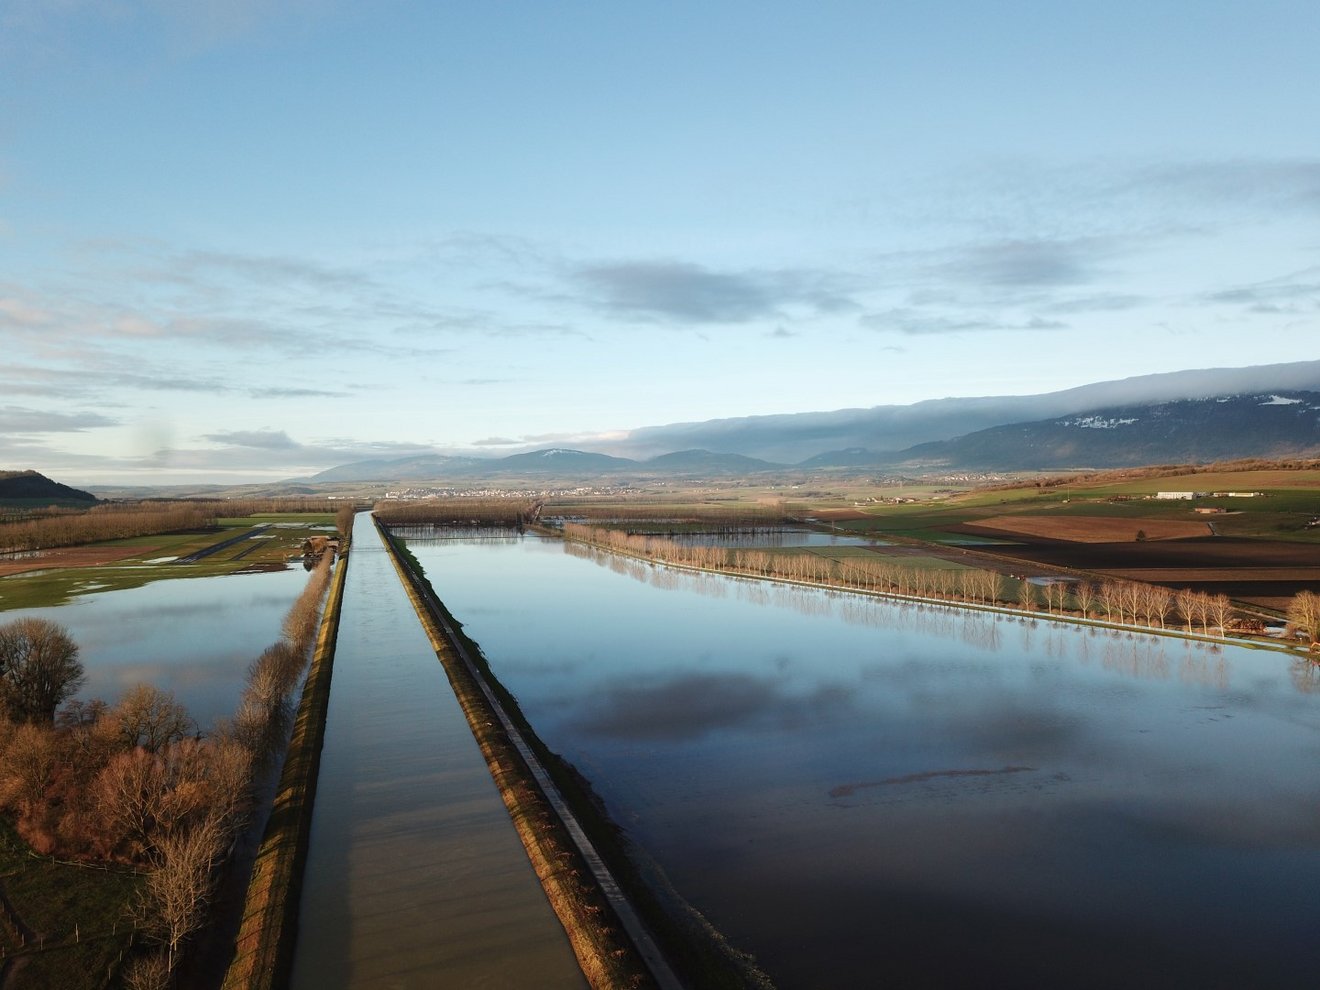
(1099, 422)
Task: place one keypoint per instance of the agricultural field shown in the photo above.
(1259, 550)
(270, 541)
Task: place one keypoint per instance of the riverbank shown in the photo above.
(263, 952)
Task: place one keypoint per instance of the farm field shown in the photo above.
(1259, 550)
(237, 545)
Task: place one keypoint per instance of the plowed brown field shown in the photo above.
(41, 560)
(1094, 529)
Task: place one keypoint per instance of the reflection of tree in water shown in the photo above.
(1305, 675)
(1135, 656)
(483, 535)
(1131, 654)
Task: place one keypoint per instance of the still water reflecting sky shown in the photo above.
(850, 787)
(193, 636)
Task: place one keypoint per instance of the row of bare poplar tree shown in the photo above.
(1126, 602)
(117, 521)
(136, 783)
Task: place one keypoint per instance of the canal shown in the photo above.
(415, 876)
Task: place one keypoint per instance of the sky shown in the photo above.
(254, 239)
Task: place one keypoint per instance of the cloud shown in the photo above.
(496, 442)
(1026, 263)
(1297, 292)
(682, 292)
(1101, 302)
(1279, 183)
(918, 322)
(17, 419)
(260, 439)
(282, 392)
(200, 268)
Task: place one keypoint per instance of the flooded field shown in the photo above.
(193, 636)
(415, 876)
(852, 789)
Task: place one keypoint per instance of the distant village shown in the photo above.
(415, 494)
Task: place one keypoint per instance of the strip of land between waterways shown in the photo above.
(263, 955)
(612, 943)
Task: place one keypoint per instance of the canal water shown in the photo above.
(415, 877)
(860, 792)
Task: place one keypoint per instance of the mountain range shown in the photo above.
(1218, 424)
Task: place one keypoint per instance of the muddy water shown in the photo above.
(415, 876)
(860, 792)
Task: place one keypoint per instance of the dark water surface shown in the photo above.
(415, 877)
(861, 792)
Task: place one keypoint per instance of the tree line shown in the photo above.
(517, 511)
(117, 521)
(103, 522)
(775, 513)
(1114, 600)
(136, 783)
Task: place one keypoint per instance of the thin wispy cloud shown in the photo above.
(915, 322)
(1022, 264)
(18, 419)
(1296, 293)
(683, 292)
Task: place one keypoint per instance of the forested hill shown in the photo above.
(29, 486)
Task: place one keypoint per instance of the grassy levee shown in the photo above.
(263, 951)
(695, 950)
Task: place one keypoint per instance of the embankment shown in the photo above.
(590, 915)
(263, 955)
(569, 836)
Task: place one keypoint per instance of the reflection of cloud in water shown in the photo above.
(1196, 820)
(848, 790)
(689, 706)
(532, 665)
(1007, 727)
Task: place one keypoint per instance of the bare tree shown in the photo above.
(40, 668)
(1186, 599)
(149, 717)
(149, 972)
(1085, 594)
(1221, 610)
(129, 795)
(29, 763)
(1304, 615)
(1027, 596)
(178, 891)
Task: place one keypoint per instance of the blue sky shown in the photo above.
(256, 239)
